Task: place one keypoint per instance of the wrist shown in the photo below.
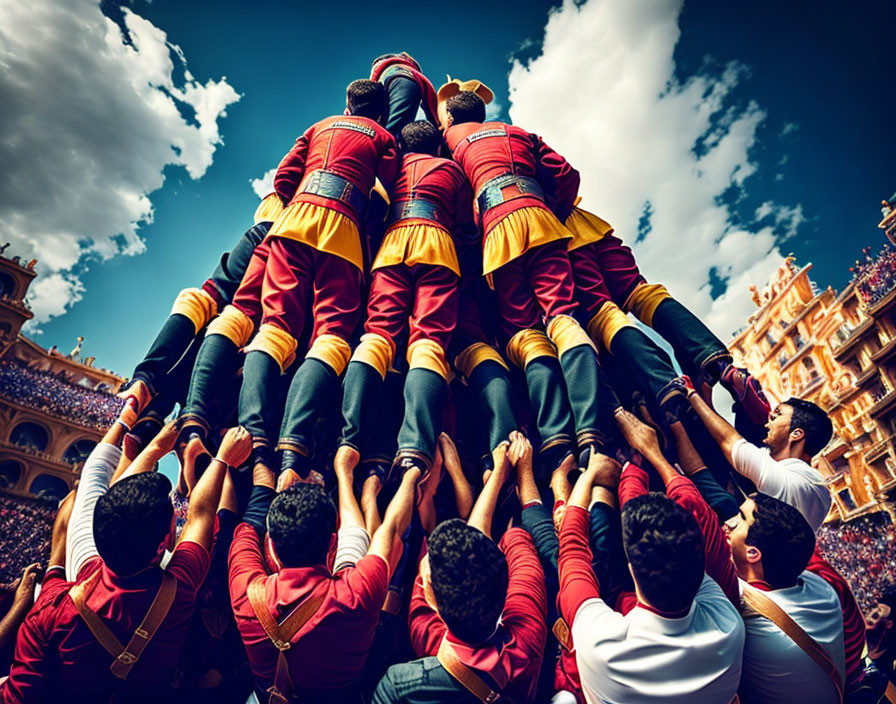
(222, 461)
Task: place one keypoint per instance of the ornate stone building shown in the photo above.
(840, 352)
(53, 407)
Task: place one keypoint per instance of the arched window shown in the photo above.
(30, 435)
(77, 452)
(10, 473)
(49, 487)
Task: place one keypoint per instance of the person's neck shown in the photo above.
(789, 451)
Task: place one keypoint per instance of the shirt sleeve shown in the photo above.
(426, 626)
(244, 564)
(389, 165)
(634, 482)
(577, 581)
(95, 477)
(718, 555)
(189, 564)
(291, 169)
(558, 178)
(368, 581)
(757, 466)
(853, 622)
(526, 607)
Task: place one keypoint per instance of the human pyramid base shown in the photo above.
(426, 456)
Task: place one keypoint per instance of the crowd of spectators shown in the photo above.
(25, 527)
(875, 277)
(51, 393)
(862, 551)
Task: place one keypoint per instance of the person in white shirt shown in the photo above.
(797, 430)
(772, 547)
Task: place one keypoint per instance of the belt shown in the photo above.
(418, 208)
(331, 185)
(501, 189)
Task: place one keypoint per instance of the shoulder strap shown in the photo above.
(466, 675)
(125, 656)
(281, 634)
(765, 606)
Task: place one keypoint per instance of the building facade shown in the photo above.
(838, 351)
(54, 407)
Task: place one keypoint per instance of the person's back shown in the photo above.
(775, 668)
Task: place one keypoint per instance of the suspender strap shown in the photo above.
(418, 208)
(465, 675)
(281, 634)
(764, 606)
(329, 184)
(125, 656)
(504, 188)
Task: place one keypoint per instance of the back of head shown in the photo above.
(367, 99)
(420, 137)
(469, 579)
(783, 537)
(131, 521)
(301, 521)
(664, 547)
(813, 421)
(466, 106)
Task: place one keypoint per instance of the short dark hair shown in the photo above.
(784, 537)
(469, 579)
(813, 421)
(664, 547)
(367, 99)
(131, 520)
(301, 521)
(420, 137)
(466, 106)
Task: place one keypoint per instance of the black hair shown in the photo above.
(469, 579)
(420, 137)
(301, 521)
(784, 537)
(131, 520)
(466, 106)
(367, 99)
(664, 547)
(813, 421)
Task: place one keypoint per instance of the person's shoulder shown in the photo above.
(189, 563)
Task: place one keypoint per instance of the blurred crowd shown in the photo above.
(875, 277)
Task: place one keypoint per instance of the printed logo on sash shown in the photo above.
(486, 133)
(346, 125)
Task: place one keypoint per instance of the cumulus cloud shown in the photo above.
(264, 185)
(665, 159)
(92, 112)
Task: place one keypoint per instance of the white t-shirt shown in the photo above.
(775, 668)
(790, 480)
(644, 658)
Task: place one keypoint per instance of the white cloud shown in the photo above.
(264, 185)
(789, 128)
(89, 123)
(604, 93)
(493, 110)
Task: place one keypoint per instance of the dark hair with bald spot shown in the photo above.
(466, 106)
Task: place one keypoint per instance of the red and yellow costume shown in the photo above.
(407, 88)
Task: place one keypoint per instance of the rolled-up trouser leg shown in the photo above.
(532, 351)
(216, 363)
(232, 267)
(192, 310)
(362, 390)
(383, 442)
(257, 411)
(425, 389)
(487, 374)
(578, 360)
(695, 346)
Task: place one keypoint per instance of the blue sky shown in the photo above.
(715, 136)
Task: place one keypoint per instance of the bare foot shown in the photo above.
(344, 463)
(560, 479)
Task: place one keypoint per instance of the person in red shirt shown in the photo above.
(407, 88)
(413, 294)
(478, 610)
(278, 567)
(59, 655)
(308, 273)
(514, 174)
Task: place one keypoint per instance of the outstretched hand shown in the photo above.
(24, 596)
(166, 438)
(605, 470)
(520, 452)
(235, 447)
(639, 435)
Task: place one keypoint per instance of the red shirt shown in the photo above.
(486, 150)
(330, 650)
(512, 657)
(58, 657)
(356, 148)
(438, 181)
(429, 100)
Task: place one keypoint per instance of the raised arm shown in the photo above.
(156, 449)
(200, 525)
(386, 542)
(484, 509)
(720, 429)
(463, 492)
(291, 169)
